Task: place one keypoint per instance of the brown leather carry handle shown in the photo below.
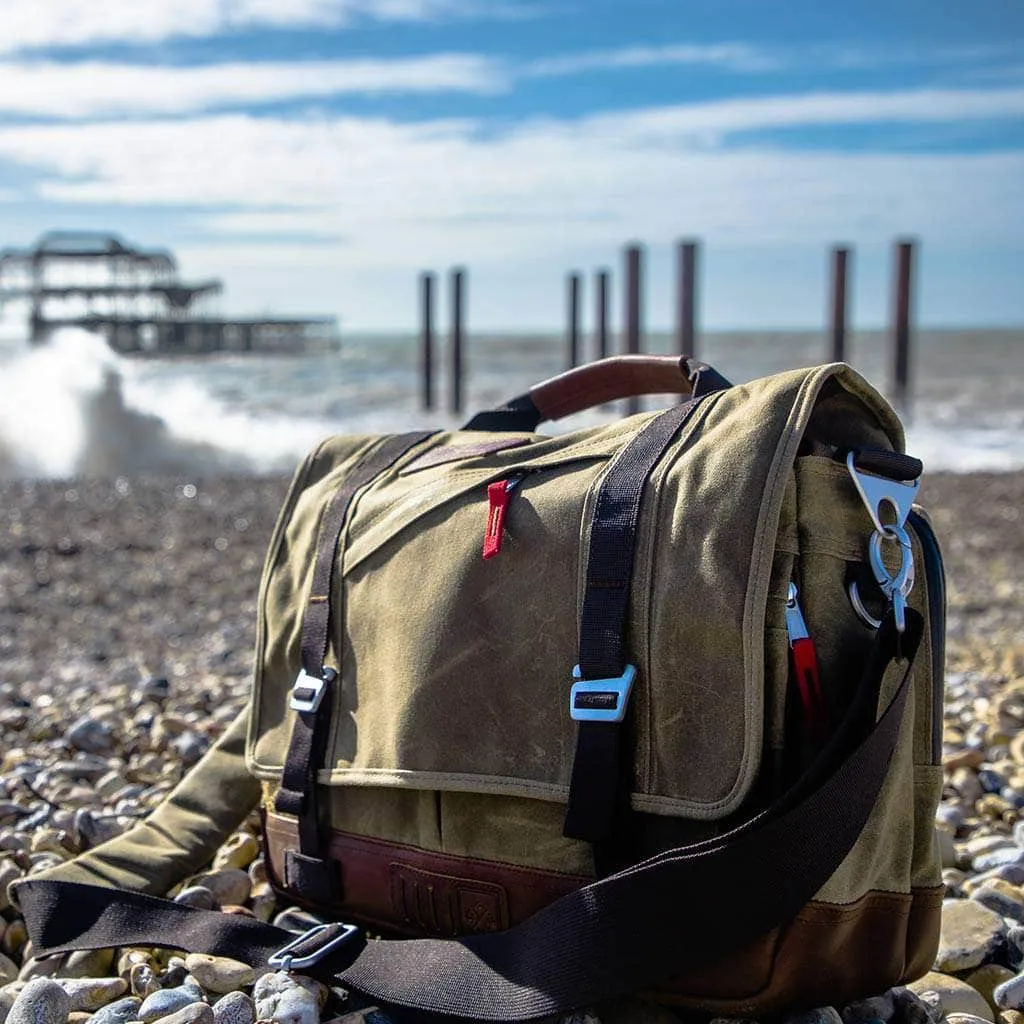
(606, 380)
(596, 383)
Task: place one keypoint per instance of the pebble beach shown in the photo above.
(127, 624)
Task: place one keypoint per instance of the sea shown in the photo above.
(72, 407)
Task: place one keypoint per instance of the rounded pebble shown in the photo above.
(971, 935)
(41, 1001)
(234, 1008)
(119, 1012)
(167, 1001)
(1010, 994)
(193, 1013)
(219, 974)
(954, 995)
(285, 999)
(92, 993)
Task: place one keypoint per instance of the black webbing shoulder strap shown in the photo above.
(618, 935)
(313, 697)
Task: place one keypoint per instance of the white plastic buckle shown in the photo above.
(308, 691)
(601, 700)
(284, 960)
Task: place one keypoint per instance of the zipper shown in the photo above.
(499, 494)
(935, 581)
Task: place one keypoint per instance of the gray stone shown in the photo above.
(987, 979)
(1002, 902)
(189, 747)
(8, 970)
(234, 1008)
(912, 1009)
(219, 974)
(283, 998)
(972, 935)
(953, 995)
(875, 1008)
(1010, 994)
(998, 858)
(91, 993)
(1012, 873)
(41, 1001)
(194, 1013)
(91, 736)
(167, 1001)
(228, 885)
(978, 846)
(91, 829)
(197, 896)
(40, 967)
(119, 1012)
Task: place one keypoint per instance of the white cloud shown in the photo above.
(730, 56)
(95, 89)
(442, 187)
(31, 24)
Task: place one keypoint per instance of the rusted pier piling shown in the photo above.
(902, 300)
(838, 306)
(686, 296)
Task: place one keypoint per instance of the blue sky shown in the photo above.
(317, 153)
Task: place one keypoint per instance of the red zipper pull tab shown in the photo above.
(805, 670)
(498, 496)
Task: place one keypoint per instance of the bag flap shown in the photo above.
(455, 671)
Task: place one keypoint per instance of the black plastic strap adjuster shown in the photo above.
(311, 947)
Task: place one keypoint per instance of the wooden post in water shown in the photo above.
(902, 282)
(427, 339)
(633, 340)
(573, 333)
(458, 296)
(601, 314)
(686, 299)
(840, 266)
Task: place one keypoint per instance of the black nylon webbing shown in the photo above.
(306, 748)
(625, 933)
(598, 789)
(316, 619)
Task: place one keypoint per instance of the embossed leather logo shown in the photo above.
(446, 905)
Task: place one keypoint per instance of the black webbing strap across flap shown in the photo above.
(305, 871)
(598, 786)
(624, 933)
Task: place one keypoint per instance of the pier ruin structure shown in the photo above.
(136, 300)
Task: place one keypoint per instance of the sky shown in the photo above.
(318, 154)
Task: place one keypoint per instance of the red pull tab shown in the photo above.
(498, 495)
(808, 680)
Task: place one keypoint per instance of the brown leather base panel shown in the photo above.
(829, 954)
(403, 890)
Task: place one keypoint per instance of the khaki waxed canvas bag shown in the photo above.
(651, 706)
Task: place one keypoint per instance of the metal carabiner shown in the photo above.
(896, 588)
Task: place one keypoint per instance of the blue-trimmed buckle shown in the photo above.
(601, 700)
(308, 691)
(284, 960)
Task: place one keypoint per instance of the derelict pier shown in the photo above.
(135, 299)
